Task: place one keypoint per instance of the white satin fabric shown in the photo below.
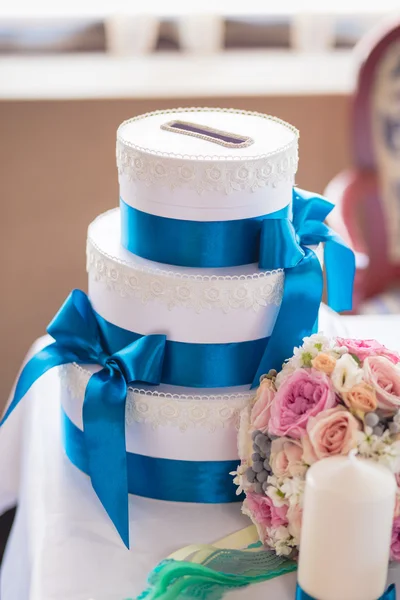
(63, 546)
(211, 206)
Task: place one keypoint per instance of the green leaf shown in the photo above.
(358, 361)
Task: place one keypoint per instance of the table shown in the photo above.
(62, 545)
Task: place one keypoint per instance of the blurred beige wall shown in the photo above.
(57, 172)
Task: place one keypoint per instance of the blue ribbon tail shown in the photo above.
(299, 309)
(340, 271)
(390, 594)
(104, 422)
(104, 433)
(340, 264)
(47, 358)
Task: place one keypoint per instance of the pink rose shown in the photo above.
(395, 544)
(286, 458)
(261, 410)
(364, 348)
(294, 516)
(333, 432)
(384, 377)
(304, 394)
(263, 511)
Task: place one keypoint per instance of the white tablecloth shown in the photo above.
(63, 546)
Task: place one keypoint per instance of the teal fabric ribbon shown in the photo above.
(210, 574)
(173, 480)
(199, 244)
(390, 594)
(195, 365)
(284, 245)
(78, 339)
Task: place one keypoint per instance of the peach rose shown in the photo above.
(261, 410)
(384, 376)
(294, 516)
(309, 456)
(361, 399)
(332, 432)
(323, 362)
(286, 458)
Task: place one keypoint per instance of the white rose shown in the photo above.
(303, 355)
(281, 534)
(318, 342)
(276, 495)
(281, 540)
(293, 488)
(346, 374)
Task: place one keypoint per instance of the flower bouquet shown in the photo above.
(331, 397)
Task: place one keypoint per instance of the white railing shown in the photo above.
(177, 75)
(102, 8)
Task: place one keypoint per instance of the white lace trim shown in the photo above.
(224, 174)
(198, 292)
(163, 409)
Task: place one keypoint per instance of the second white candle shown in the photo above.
(346, 530)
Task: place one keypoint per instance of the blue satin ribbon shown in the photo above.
(390, 594)
(201, 244)
(78, 339)
(275, 242)
(284, 245)
(207, 482)
(195, 365)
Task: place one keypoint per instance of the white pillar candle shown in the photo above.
(346, 529)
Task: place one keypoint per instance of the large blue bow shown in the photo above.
(284, 244)
(78, 339)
